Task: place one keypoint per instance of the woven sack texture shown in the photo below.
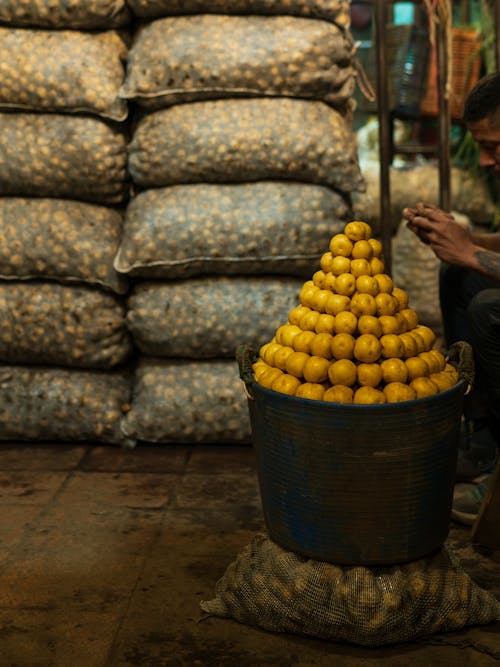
(193, 58)
(208, 317)
(265, 227)
(240, 140)
(275, 589)
(187, 401)
(60, 239)
(84, 14)
(63, 404)
(67, 156)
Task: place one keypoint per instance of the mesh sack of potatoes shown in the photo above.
(39, 71)
(60, 239)
(207, 317)
(84, 14)
(192, 58)
(38, 403)
(337, 11)
(74, 157)
(48, 323)
(238, 140)
(275, 589)
(187, 401)
(265, 227)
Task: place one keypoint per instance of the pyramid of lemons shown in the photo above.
(353, 338)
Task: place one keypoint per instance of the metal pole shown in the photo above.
(444, 115)
(384, 130)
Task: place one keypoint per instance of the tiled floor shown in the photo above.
(105, 555)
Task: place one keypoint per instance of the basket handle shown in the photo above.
(246, 357)
(462, 354)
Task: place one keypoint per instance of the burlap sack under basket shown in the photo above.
(83, 14)
(193, 58)
(337, 11)
(278, 590)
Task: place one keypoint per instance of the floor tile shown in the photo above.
(237, 492)
(19, 456)
(170, 458)
(214, 459)
(30, 487)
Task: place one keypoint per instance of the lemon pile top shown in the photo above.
(354, 337)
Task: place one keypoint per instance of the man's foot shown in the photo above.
(466, 505)
(477, 452)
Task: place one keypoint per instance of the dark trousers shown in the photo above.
(470, 305)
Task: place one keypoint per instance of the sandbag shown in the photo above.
(66, 70)
(238, 140)
(201, 57)
(60, 239)
(65, 156)
(84, 14)
(275, 589)
(337, 11)
(208, 317)
(38, 403)
(187, 401)
(52, 324)
(251, 228)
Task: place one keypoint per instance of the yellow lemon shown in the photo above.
(439, 357)
(357, 230)
(410, 316)
(424, 387)
(432, 361)
(362, 250)
(402, 323)
(319, 300)
(368, 396)
(360, 267)
(296, 313)
(263, 350)
(343, 346)
(311, 390)
(386, 304)
(267, 378)
(321, 345)
(419, 340)
(270, 351)
(286, 333)
(259, 367)
(401, 296)
(394, 370)
(302, 342)
(369, 375)
(417, 368)
(370, 324)
(307, 292)
(337, 303)
(392, 346)
(316, 369)
(340, 264)
(449, 368)
(281, 356)
(340, 244)
(410, 345)
(308, 321)
(295, 364)
(325, 324)
(385, 283)
(342, 371)
(367, 285)
(329, 282)
(363, 304)
(319, 278)
(427, 334)
(367, 348)
(345, 284)
(346, 322)
(377, 265)
(389, 324)
(397, 392)
(338, 394)
(443, 380)
(286, 384)
(376, 247)
(326, 262)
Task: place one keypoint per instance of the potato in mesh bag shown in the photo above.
(337, 11)
(246, 228)
(60, 239)
(65, 70)
(239, 140)
(187, 401)
(48, 323)
(38, 403)
(192, 58)
(278, 590)
(74, 157)
(208, 317)
(84, 14)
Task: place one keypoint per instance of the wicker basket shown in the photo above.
(465, 72)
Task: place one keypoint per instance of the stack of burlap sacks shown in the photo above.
(64, 344)
(243, 159)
